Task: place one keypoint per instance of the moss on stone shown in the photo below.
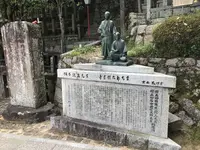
(80, 51)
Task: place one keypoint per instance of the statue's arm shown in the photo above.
(125, 49)
(114, 47)
(100, 28)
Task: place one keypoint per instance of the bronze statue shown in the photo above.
(119, 51)
(107, 30)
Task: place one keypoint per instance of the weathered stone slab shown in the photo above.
(110, 135)
(156, 143)
(113, 104)
(22, 48)
(155, 80)
(131, 69)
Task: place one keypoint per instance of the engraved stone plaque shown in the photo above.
(128, 101)
(132, 107)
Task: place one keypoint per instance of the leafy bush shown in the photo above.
(145, 50)
(178, 36)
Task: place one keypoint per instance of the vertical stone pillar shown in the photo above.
(22, 48)
(164, 3)
(148, 9)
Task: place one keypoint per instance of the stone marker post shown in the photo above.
(22, 48)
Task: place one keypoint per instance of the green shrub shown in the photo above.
(178, 36)
(145, 50)
(77, 51)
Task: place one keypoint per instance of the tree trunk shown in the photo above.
(139, 6)
(122, 17)
(62, 27)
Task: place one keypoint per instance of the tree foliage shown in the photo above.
(12, 10)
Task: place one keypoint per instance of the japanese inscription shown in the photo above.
(135, 107)
(153, 115)
(114, 77)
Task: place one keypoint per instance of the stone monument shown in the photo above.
(22, 48)
(120, 105)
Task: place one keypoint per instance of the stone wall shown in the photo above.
(142, 34)
(185, 100)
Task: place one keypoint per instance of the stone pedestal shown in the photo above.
(129, 101)
(22, 48)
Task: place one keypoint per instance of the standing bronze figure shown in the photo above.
(107, 30)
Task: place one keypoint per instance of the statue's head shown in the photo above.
(107, 15)
(118, 36)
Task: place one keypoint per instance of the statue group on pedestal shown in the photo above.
(113, 47)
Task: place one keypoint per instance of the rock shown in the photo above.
(158, 21)
(190, 108)
(141, 30)
(139, 39)
(172, 62)
(175, 62)
(173, 107)
(151, 65)
(143, 61)
(187, 82)
(67, 60)
(171, 70)
(161, 70)
(196, 92)
(74, 60)
(188, 62)
(198, 63)
(156, 60)
(27, 114)
(175, 123)
(148, 39)
(134, 31)
(149, 29)
(187, 120)
(184, 70)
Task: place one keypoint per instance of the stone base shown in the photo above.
(112, 135)
(27, 114)
(109, 62)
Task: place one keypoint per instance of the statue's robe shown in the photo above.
(118, 50)
(107, 30)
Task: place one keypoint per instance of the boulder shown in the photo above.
(187, 120)
(190, 108)
(173, 107)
